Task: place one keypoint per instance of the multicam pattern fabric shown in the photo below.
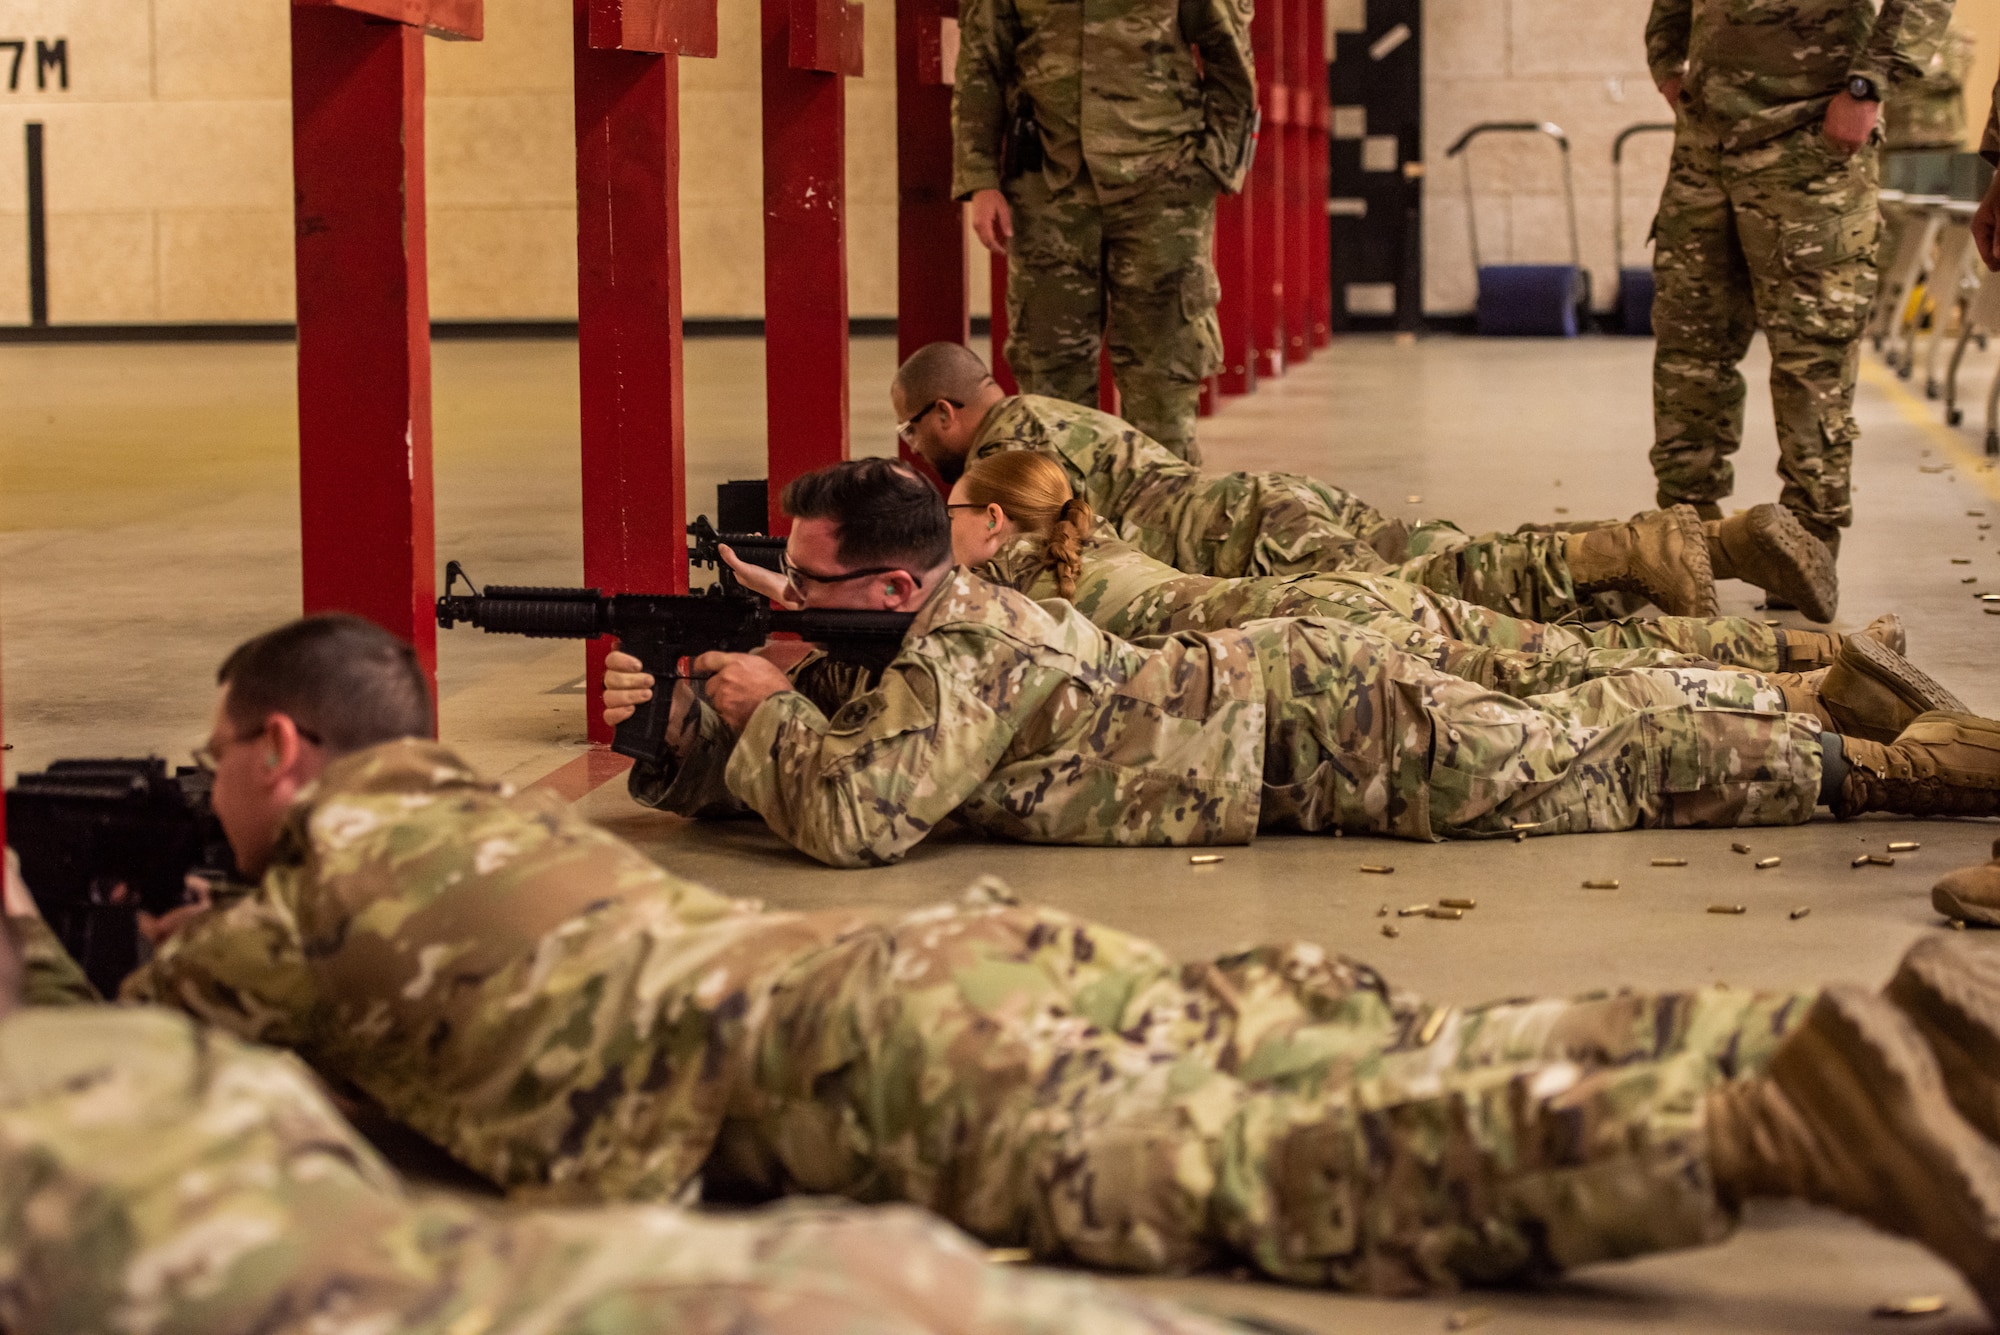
(1022, 720)
(1114, 85)
(1046, 1082)
(1928, 112)
(1238, 524)
(165, 1179)
(510, 981)
(1135, 274)
(1779, 236)
(1129, 594)
(1755, 69)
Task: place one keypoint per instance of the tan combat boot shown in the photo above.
(1950, 989)
(1971, 894)
(1942, 765)
(1870, 692)
(1852, 1113)
(1804, 650)
(1766, 546)
(1662, 556)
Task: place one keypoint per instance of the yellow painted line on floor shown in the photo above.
(1924, 416)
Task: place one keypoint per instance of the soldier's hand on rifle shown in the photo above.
(759, 580)
(627, 686)
(1986, 226)
(738, 683)
(992, 220)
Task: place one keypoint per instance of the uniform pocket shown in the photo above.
(1812, 244)
(1200, 290)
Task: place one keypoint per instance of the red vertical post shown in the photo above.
(1267, 195)
(997, 338)
(933, 294)
(809, 48)
(365, 508)
(628, 275)
(1298, 178)
(1320, 149)
(1235, 269)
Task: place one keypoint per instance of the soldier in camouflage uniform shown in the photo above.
(1108, 222)
(1240, 524)
(1769, 220)
(1022, 720)
(1015, 522)
(159, 1176)
(1927, 113)
(570, 1020)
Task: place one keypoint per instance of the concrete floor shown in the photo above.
(147, 522)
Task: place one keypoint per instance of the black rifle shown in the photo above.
(660, 629)
(756, 549)
(101, 839)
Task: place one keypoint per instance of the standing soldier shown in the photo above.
(1769, 219)
(1092, 143)
(1928, 113)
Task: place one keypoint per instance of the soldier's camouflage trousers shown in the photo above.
(1506, 654)
(1045, 1082)
(1148, 259)
(1780, 236)
(1252, 524)
(1361, 739)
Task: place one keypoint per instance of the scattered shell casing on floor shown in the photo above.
(1905, 846)
(1521, 826)
(1377, 869)
(1727, 908)
(1961, 560)
(1765, 864)
(1008, 1256)
(1432, 1023)
(1862, 861)
(1468, 1317)
(1449, 915)
(1801, 911)
(1521, 836)
(1739, 848)
(1204, 859)
(1382, 912)
(1878, 860)
(1670, 862)
(1606, 884)
(1390, 929)
(1929, 1304)
(1413, 910)
(1958, 924)
(1458, 903)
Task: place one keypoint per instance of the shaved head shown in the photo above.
(936, 371)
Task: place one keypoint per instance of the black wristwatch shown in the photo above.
(1862, 89)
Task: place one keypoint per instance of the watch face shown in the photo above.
(1861, 89)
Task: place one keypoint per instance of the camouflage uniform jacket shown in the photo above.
(159, 1176)
(1021, 719)
(1114, 85)
(1929, 111)
(1753, 69)
(520, 987)
(1164, 506)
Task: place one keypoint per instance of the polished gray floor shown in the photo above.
(148, 520)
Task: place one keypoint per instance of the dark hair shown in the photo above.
(887, 515)
(941, 371)
(346, 681)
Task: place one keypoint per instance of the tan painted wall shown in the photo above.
(169, 165)
(1583, 66)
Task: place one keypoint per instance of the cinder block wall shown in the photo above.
(169, 160)
(1581, 65)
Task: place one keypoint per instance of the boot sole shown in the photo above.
(1887, 631)
(1951, 991)
(1804, 569)
(1858, 1064)
(1694, 539)
(1904, 679)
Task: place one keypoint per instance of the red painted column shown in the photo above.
(365, 512)
(1235, 269)
(810, 46)
(1320, 238)
(1267, 195)
(933, 293)
(628, 255)
(1298, 179)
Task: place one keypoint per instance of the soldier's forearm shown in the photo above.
(691, 783)
(1668, 28)
(1905, 36)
